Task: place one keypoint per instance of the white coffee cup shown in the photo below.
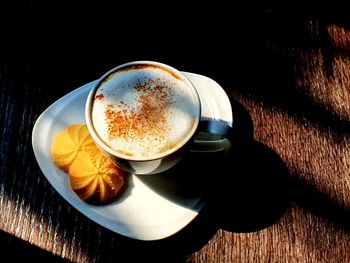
(144, 116)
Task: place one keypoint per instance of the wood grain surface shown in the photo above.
(280, 195)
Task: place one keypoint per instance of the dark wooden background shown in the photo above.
(281, 195)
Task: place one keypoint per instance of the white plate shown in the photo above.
(141, 212)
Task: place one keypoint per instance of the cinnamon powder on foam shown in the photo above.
(148, 120)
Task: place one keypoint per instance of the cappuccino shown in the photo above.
(144, 111)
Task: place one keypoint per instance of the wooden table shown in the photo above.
(281, 195)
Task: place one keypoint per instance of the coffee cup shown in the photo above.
(144, 116)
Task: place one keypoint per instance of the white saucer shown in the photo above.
(141, 212)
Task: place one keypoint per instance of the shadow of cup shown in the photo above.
(252, 186)
(253, 190)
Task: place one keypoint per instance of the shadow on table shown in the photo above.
(17, 250)
(321, 204)
(253, 191)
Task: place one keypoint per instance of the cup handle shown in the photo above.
(212, 136)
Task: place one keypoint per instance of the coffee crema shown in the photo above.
(144, 112)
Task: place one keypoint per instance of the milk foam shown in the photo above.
(144, 112)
